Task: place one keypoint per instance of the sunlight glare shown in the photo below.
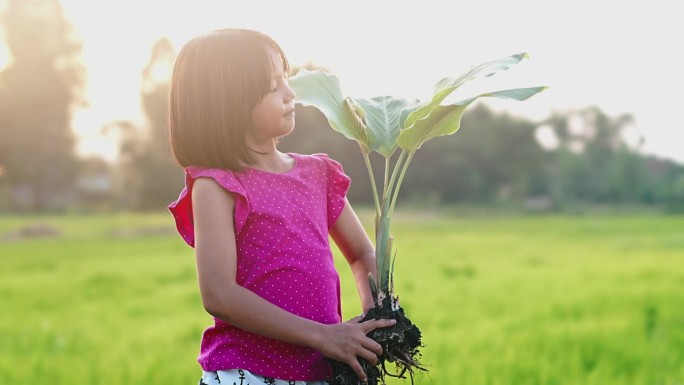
(5, 56)
(375, 56)
(91, 140)
(546, 137)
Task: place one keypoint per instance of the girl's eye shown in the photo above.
(274, 89)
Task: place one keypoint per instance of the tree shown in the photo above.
(147, 168)
(38, 91)
(593, 163)
(493, 157)
(161, 179)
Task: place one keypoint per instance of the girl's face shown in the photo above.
(274, 115)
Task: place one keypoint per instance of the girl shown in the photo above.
(259, 220)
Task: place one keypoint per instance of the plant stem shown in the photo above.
(397, 167)
(398, 185)
(372, 178)
(383, 244)
(385, 192)
(383, 247)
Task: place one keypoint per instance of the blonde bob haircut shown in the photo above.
(218, 78)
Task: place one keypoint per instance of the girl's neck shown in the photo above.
(273, 161)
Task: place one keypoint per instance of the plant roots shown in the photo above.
(400, 345)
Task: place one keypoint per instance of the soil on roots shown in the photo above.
(400, 343)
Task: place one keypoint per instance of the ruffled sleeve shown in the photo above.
(337, 185)
(181, 209)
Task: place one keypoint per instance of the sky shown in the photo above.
(625, 58)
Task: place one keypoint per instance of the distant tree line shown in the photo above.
(495, 158)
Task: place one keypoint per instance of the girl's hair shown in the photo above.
(217, 80)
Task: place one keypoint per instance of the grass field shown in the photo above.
(501, 300)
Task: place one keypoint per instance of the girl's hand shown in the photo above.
(346, 341)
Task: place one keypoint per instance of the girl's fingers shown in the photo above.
(373, 347)
(371, 356)
(354, 364)
(378, 323)
(370, 344)
(369, 350)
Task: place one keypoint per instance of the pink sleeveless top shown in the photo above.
(283, 255)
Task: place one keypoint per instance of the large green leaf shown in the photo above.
(518, 94)
(483, 70)
(446, 86)
(323, 91)
(446, 120)
(383, 117)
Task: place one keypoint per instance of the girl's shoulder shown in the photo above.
(224, 177)
(333, 170)
(199, 171)
(319, 159)
(182, 209)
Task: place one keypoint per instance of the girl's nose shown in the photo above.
(289, 92)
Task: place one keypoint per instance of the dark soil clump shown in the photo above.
(400, 345)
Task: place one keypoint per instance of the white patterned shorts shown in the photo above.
(243, 377)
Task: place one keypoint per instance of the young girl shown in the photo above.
(259, 220)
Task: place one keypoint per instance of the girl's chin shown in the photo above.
(288, 131)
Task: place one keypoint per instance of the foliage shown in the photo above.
(498, 161)
(593, 163)
(38, 91)
(495, 158)
(386, 124)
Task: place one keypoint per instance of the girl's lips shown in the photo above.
(290, 114)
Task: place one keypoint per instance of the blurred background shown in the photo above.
(554, 225)
(83, 90)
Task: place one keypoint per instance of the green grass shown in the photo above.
(500, 300)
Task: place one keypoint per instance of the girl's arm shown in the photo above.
(222, 297)
(357, 248)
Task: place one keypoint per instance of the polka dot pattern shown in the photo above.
(281, 224)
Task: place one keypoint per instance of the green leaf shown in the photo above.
(519, 94)
(483, 70)
(443, 120)
(374, 288)
(383, 122)
(446, 86)
(322, 90)
(446, 120)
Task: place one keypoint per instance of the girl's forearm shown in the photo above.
(350, 236)
(344, 342)
(360, 268)
(247, 310)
